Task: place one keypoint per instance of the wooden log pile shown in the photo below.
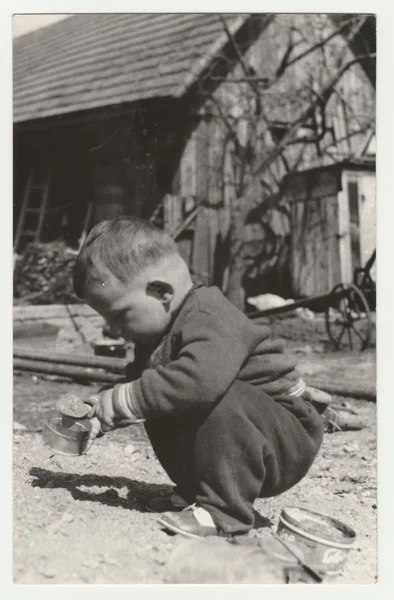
(43, 275)
(81, 368)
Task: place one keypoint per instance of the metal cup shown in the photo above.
(68, 441)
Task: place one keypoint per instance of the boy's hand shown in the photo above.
(106, 415)
(102, 408)
(102, 416)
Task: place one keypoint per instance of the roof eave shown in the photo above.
(200, 66)
(95, 113)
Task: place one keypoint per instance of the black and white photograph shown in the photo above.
(194, 298)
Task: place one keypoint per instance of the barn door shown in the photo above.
(367, 209)
(359, 221)
(315, 253)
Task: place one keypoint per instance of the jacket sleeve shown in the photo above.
(210, 356)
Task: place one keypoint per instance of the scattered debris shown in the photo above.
(43, 274)
(341, 419)
(305, 313)
(19, 427)
(46, 571)
(352, 447)
(319, 348)
(54, 527)
(314, 471)
(304, 349)
(268, 301)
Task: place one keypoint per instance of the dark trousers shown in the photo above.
(244, 447)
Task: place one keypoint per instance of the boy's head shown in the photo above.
(132, 274)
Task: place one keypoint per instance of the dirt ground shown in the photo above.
(82, 520)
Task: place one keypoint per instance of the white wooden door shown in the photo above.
(357, 218)
(367, 204)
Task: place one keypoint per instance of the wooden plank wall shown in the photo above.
(201, 180)
(175, 211)
(315, 250)
(314, 239)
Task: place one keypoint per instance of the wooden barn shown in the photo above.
(333, 224)
(113, 114)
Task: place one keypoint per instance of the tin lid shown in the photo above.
(318, 526)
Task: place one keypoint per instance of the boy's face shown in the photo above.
(138, 311)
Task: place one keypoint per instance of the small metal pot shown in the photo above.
(69, 441)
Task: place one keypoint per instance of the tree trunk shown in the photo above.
(235, 292)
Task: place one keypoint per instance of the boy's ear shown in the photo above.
(160, 289)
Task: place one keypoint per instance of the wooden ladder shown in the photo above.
(35, 202)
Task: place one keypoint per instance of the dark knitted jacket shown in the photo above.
(209, 345)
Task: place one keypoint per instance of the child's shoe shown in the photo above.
(193, 522)
(172, 503)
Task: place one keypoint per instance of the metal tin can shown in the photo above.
(69, 441)
(320, 538)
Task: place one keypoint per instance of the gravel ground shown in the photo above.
(82, 520)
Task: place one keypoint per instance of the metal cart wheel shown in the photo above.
(348, 318)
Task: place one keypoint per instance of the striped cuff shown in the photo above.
(298, 389)
(124, 402)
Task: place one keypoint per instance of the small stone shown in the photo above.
(67, 517)
(352, 447)
(319, 348)
(374, 506)
(314, 471)
(304, 349)
(48, 573)
(45, 569)
(57, 462)
(130, 449)
(19, 427)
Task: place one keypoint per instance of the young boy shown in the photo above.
(224, 408)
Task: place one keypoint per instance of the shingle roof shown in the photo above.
(95, 60)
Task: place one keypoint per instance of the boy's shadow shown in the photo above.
(138, 491)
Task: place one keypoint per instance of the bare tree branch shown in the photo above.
(324, 41)
(244, 66)
(289, 136)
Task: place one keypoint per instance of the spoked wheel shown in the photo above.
(348, 318)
